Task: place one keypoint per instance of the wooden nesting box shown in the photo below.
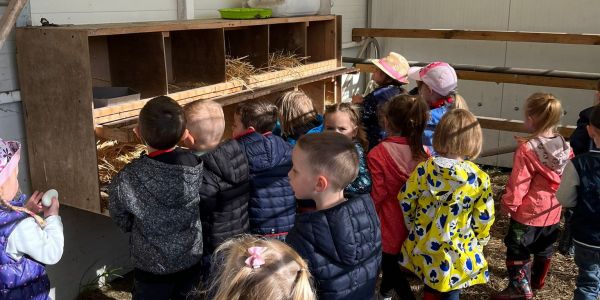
(58, 66)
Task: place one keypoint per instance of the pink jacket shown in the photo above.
(530, 195)
(390, 164)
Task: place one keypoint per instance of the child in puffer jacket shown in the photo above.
(341, 240)
(225, 188)
(27, 242)
(272, 206)
(530, 198)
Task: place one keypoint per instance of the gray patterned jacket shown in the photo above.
(159, 204)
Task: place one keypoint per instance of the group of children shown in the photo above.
(302, 206)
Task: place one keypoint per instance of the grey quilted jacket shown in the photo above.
(158, 203)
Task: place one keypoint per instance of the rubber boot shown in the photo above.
(427, 295)
(539, 271)
(518, 282)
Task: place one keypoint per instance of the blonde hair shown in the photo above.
(296, 110)
(354, 114)
(458, 133)
(283, 276)
(459, 102)
(205, 122)
(6, 203)
(331, 153)
(545, 110)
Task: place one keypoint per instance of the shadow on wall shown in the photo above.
(92, 242)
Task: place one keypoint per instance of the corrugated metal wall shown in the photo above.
(490, 99)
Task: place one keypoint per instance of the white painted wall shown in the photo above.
(490, 99)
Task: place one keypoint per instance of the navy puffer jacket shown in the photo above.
(342, 246)
(272, 207)
(224, 194)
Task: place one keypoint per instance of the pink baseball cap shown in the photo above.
(439, 76)
(10, 153)
(394, 65)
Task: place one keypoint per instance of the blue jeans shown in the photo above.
(588, 280)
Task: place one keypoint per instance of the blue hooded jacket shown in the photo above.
(272, 206)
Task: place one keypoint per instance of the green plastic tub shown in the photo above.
(245, 13)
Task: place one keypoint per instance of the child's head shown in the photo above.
(254, 269)
(296, 109)
(458, 135)
(593, 128)
(392, 69)
(205, 123)
(344, 118)
(542, 113)
(10, 153)
(325, 161)
(435, 81)
(161, 123)
(259, 115)
(407, 116)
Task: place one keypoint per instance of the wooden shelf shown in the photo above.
(58, 66)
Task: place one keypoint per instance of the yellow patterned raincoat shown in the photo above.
(448, 210)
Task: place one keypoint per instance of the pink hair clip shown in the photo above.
(255, 260)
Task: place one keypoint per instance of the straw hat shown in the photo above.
(394, 65)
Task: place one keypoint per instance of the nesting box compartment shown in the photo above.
(182, 59)
(109, 95)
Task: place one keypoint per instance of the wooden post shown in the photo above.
(185, 9)
(9, 18)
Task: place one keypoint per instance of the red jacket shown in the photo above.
(390, 164)
(530, 195)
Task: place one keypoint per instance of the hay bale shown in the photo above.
(281, 60)
(113, 156)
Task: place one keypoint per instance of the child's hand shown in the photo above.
(357, 99)
(34, 204)
(52, 210)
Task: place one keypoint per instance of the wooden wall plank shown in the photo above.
(198, 55)
(316, 92)
(486, 35)
(99, 62)
(138, 61)
(59, 120)
(321, 44)
(515, 125)
(562, 82)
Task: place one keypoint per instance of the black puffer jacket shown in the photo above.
(224, 195)
(342, 246)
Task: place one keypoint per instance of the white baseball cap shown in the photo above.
(439, 76)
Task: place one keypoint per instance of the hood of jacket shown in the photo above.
(553, 153)
(265, 152)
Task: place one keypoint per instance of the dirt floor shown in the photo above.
(559, 284)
